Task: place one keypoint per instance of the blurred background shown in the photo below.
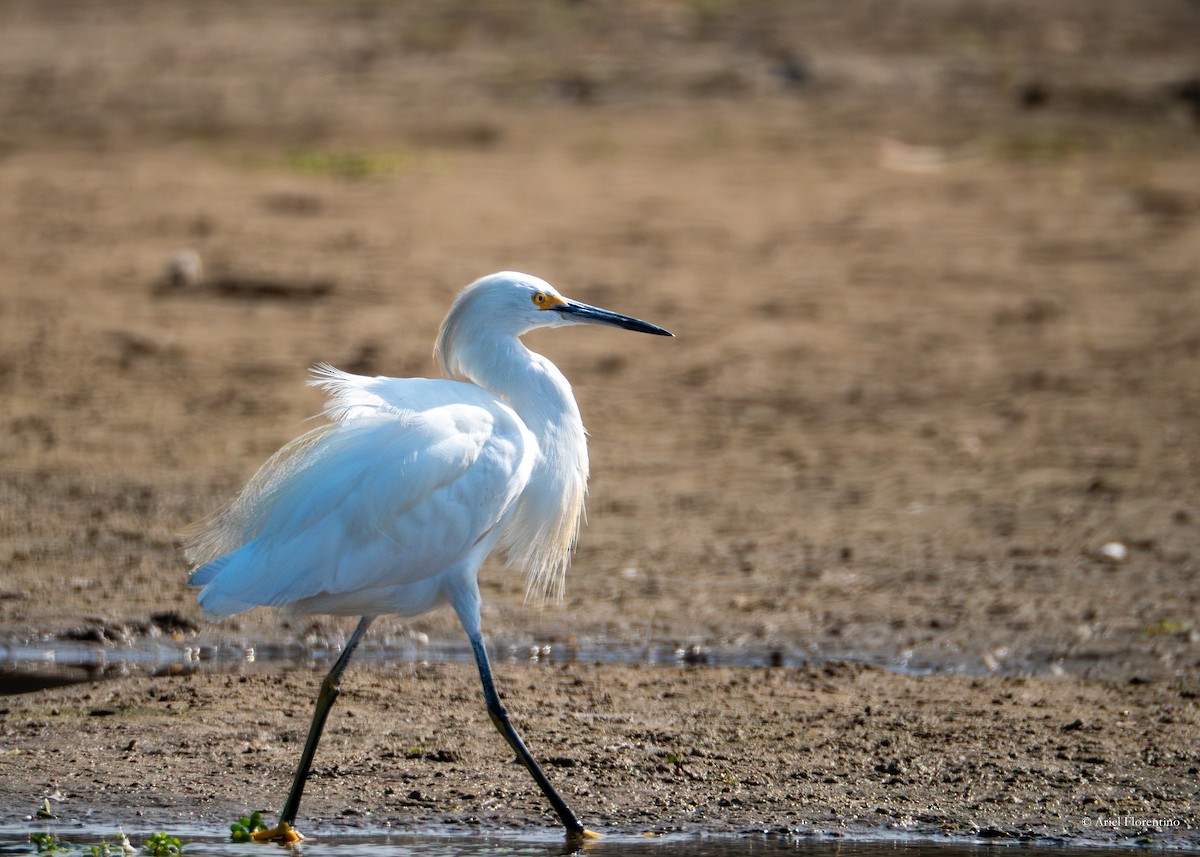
(932, 268)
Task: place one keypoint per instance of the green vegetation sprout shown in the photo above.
(162, 845)
(47, 843)
(117, 848)
(242, 829)
(158, 845)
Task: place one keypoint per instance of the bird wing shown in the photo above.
(407, 480)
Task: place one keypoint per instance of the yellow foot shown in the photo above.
(284, 834)
(584, 833)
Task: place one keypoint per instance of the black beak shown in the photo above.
(586, 314)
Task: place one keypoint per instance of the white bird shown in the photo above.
(392, 506)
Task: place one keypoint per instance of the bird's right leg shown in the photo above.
(283, 832)
(500, 720)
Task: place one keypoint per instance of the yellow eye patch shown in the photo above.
(545, 301)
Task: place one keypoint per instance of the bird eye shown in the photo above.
(539, 298)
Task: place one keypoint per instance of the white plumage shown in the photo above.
(394, 503)
(411, 482)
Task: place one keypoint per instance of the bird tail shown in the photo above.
(208, 572)
(221, 594)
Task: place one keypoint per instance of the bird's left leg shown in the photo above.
(500, 719)
(283, 832)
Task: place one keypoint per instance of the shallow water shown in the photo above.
(33, 664)
(14, 839)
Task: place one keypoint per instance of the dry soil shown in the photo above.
(933, 399)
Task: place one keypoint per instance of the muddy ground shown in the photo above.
(933, 398)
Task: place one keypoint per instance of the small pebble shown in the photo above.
(184, 269)
(1114, 552)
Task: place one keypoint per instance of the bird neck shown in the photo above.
(542, 533)
(529, 382)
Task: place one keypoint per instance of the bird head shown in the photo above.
(511, 304)
(521, 302)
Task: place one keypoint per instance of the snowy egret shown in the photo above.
(392, 506)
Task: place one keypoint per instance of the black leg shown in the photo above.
(325, 700)
(500, 719)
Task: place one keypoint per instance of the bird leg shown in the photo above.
(500, 719)
(283, 832)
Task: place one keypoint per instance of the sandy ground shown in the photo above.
(932, 400)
